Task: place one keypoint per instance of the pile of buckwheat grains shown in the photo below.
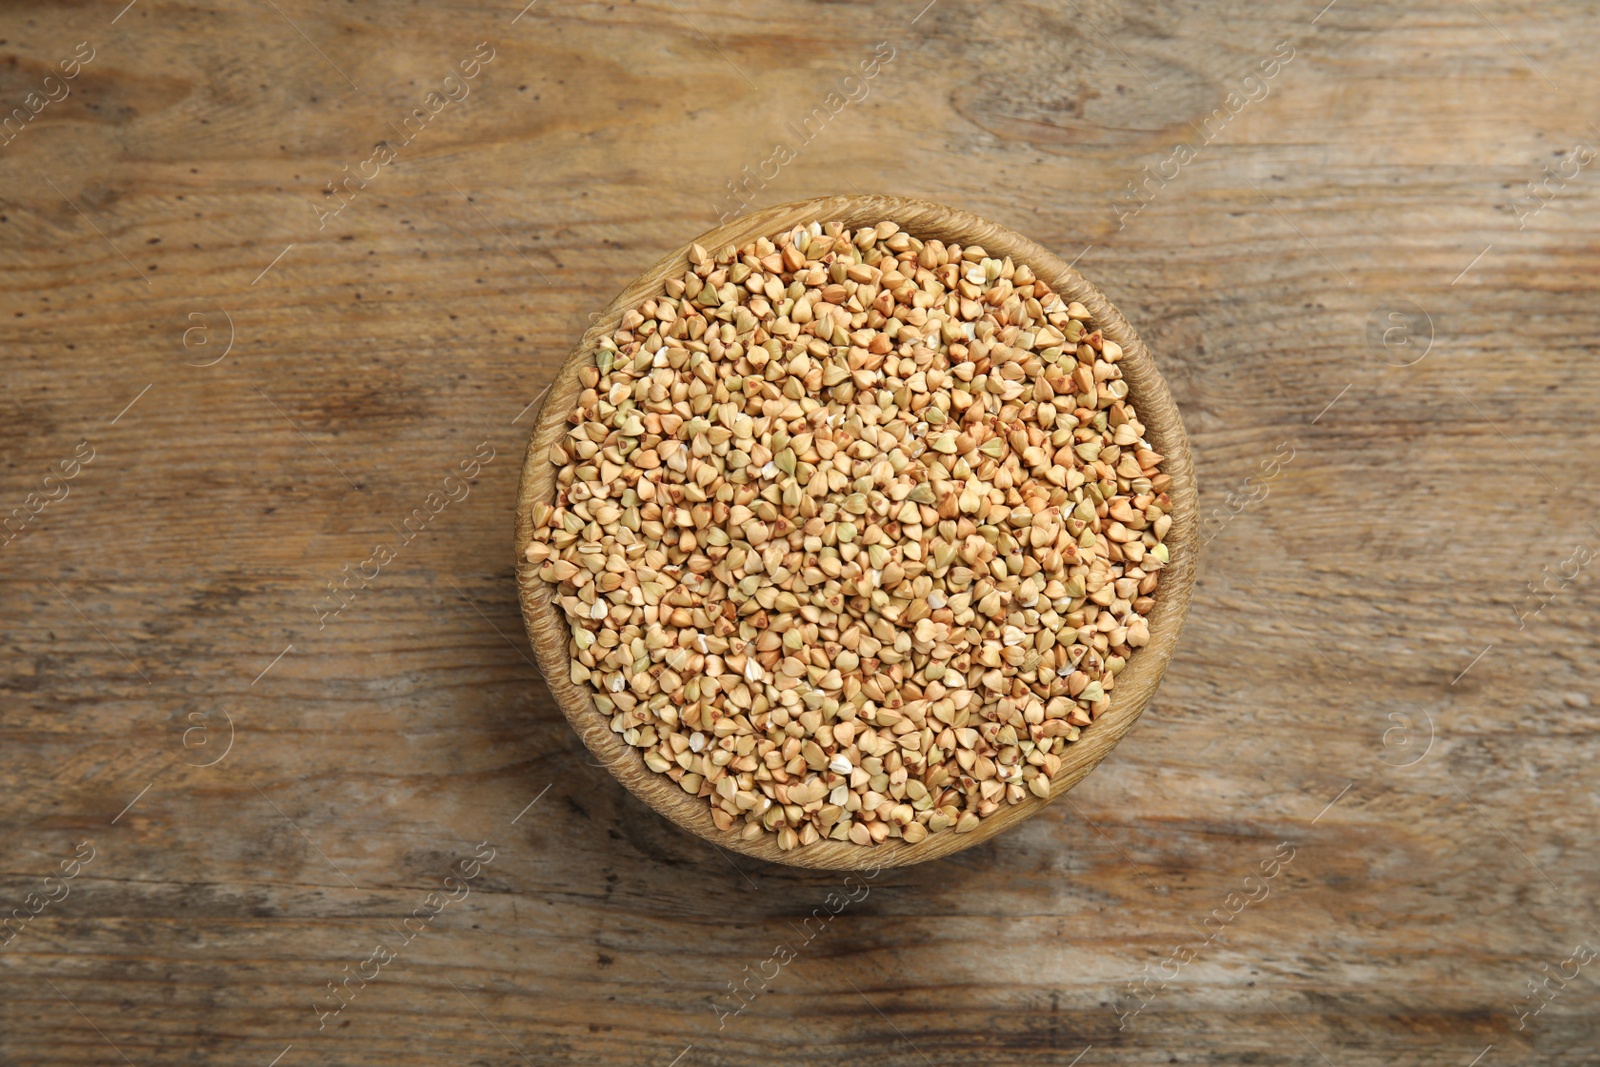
(854, 533)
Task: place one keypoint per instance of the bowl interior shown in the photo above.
(1137, 682)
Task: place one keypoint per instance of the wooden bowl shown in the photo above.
(548, 630)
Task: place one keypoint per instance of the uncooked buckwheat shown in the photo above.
(854, 533)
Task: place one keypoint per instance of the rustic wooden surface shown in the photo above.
(1353, 639)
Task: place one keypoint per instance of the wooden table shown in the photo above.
(225, 385)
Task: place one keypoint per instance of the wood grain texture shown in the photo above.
(548, 628)
(1353, 637)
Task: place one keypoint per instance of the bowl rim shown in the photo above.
(1136, 684)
